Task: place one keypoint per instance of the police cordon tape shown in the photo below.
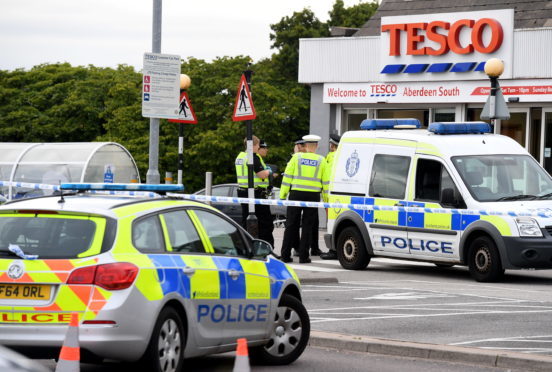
(536, 212)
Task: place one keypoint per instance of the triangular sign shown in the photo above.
(244, 109)
(186, 113)
(501, 109)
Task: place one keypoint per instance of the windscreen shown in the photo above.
(492, 178)
(51, 236)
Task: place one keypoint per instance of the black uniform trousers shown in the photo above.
(295, 221)
(264, 216)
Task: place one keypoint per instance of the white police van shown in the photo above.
(454, 194)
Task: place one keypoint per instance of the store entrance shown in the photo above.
(421, 115)
(547, 152)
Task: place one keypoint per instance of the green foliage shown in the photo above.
(62, 103)
(354, 16)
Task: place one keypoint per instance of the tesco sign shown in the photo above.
(447, 38)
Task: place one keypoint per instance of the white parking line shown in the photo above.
(310, 267)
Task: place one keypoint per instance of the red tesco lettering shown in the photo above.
(383, 88)
(446, 35)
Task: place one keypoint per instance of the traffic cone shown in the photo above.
(241, 364)
(69, 357)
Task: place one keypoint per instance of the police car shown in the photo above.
(152, 278)
(454, 194)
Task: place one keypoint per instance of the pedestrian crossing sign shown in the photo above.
(185, 111)
(243, 109)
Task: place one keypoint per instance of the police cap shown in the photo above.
(311, 138)
(335, 138)
(300, 141)
(263, 144)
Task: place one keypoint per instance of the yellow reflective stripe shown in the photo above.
(386, 217)
(427, 149)
(333, 213)
(205, 283)
(132, 209)
(96, 246)
(498, 222)
(202, 233)
(165, 233)
(440, 221)
(411, 180)
(257, 282)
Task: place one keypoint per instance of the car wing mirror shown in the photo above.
(261, 249)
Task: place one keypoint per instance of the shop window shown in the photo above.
(535, 135)
(474, 114)
(352, 120)
(444, 114)
(515, 127)
(421, 115)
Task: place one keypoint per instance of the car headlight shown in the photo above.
(528, 227)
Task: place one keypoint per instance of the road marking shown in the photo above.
(313, 268)
(404, 296)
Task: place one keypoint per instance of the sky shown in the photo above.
(107, 33)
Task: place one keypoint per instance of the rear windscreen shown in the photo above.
(52, 237)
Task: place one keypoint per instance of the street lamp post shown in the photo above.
(251, 222)
(495, 107)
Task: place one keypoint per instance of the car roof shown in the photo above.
(104, 205)
(448, 145)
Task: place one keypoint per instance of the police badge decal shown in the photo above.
(353, 163)
(16, 269)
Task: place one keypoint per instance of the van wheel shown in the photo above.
(351, 250)
(484, 260)
(165, 352)
(289, 334)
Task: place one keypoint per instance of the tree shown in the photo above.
(354, 16)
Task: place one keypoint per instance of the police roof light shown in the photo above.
(122, 187)
(474, 127)
(371, 124)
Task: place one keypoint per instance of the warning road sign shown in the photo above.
(244, 109)
(186, 113)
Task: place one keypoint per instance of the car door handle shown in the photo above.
(189, 271)
(234, 274)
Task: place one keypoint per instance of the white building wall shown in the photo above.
(356, 59)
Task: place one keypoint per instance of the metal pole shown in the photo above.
(180, 152)
(492, 102)
(208, 184)
(251, 221)
(152, 176)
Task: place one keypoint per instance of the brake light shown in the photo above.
(113, 276)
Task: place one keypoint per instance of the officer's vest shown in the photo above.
(241, 172)
(330, 159)
(308, 170)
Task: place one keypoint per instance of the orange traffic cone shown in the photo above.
(69, 357)
(241, 364)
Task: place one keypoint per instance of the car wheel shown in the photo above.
(351, 251)
(165, 350)
(289, 334)
(484, 260)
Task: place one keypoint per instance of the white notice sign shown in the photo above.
(161, 86)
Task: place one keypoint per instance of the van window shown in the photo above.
(431, 179)
(389, 175)
(503, 177)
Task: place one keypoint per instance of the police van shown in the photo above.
(452, 194)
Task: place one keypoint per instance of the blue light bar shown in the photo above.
(480, 66)
(460, 128)
(371, 124)
(439, 67)
(415, 68)
(392, 69)
(122, 187)
(463, 67)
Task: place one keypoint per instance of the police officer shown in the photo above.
(260, 179)
(334, 142)
(305, 178)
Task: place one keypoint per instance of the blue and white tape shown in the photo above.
(542, 212)
(538, 212)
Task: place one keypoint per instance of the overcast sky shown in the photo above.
(111, 32)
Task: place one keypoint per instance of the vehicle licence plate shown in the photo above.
(24, 291)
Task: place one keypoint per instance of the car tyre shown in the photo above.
(165, 352)
(351, 250)
(289, 334)
(484, 260)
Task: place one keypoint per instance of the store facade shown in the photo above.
(430, 67)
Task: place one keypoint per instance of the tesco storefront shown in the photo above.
(430, 67)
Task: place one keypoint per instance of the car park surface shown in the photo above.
(152, 278)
